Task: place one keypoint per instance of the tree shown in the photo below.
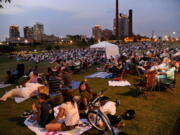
(1, 1)
(49, 47)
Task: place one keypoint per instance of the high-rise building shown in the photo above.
(28, 32)
(38, 31)
(125, 25)
(14, 31)
(97, 32)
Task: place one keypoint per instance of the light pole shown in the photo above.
(26, 41)
(18, 40)
(173, 33)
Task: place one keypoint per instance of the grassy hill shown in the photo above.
(155, 115)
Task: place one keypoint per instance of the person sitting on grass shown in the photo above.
(53, 82)
(68, 116)
(10, 78)
(85, 95)
(30, 90)
(169, 74)
(34, 77)
(66, 78)
(107, 106)
(43, 112)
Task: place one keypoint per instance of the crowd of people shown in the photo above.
(135, 58)
(74, 58)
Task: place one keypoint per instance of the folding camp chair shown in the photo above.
(149, 85)
(170, 84)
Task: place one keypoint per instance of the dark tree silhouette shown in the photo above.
(5, 1)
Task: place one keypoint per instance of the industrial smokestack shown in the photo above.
(130, 22)
(117, 18)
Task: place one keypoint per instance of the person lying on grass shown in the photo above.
(43, 112)
(68, 116)
(10, 78)
(30, 90)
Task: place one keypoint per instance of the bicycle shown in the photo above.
(98, 119)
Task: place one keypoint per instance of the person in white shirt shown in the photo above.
(30, 89)
(68, 116)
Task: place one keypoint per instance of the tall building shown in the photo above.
(125, 25)
(38, 31)
(14, 31)
(130, 22)
(97, 32)
(28, 32)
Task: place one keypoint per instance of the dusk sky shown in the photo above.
(62, 17)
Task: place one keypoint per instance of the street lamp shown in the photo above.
(166, 37)
(173, 33)
(18, 41)
(26, 41)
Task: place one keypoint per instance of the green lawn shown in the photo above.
(155, 115)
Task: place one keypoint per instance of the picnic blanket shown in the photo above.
(81, 128)
(119, 83)
(20, 99)
(2, 85)
(100, 75)
(75, 85)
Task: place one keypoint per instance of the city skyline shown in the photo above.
(78, 17)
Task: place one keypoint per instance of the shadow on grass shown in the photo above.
(93, 132)
(18, 120)
(133, 92)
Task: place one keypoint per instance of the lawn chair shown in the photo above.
(169, 84)
(150, 83)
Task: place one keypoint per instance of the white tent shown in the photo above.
(110, 49)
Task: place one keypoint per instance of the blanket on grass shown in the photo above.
(2, 85)
(75, 85)
(104, 75)
(119, 83)
(82, 127)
